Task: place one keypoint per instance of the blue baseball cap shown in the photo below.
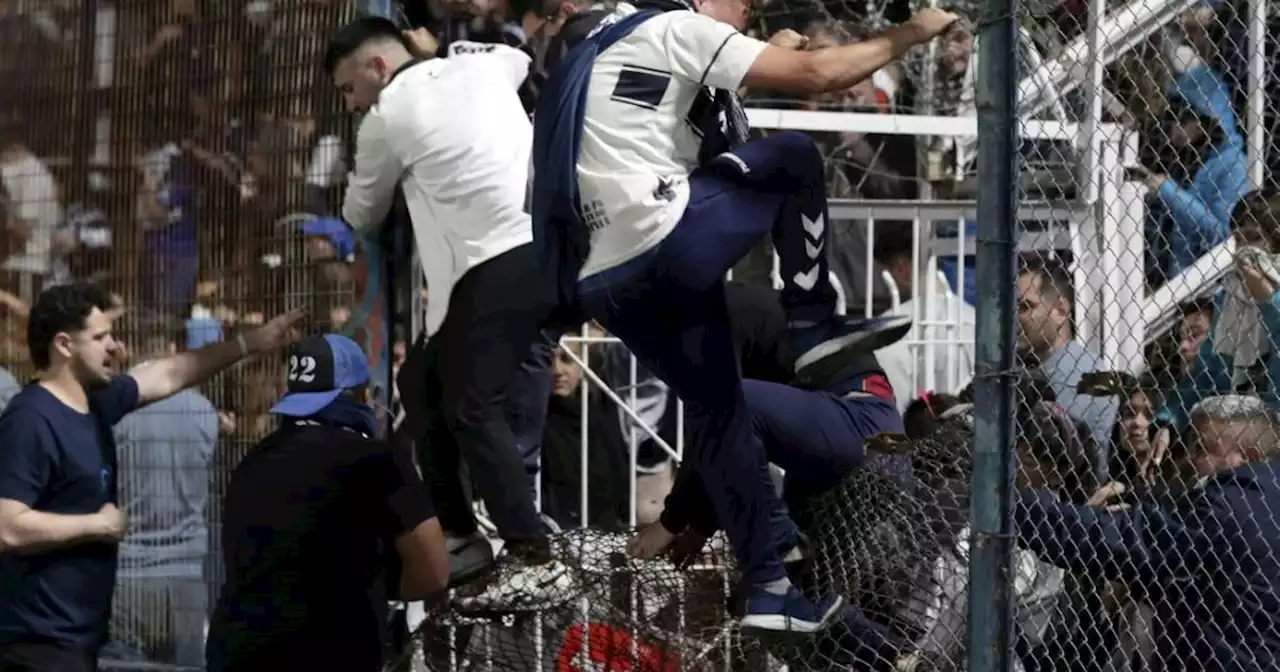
(336, 232)
(320, 368)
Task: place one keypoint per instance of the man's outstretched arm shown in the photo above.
(838, 68)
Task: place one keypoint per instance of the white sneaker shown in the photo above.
(519, 586)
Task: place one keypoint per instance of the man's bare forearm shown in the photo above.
(37, 531)
(838, 68)
(166, 377)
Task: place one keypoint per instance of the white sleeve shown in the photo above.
(371, 186)
(708, 52)
(512, 62)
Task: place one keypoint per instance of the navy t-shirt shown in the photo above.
(57, 460)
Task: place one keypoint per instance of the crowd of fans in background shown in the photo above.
(169, 150)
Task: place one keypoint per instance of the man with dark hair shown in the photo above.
(59, 520)
(452, 134)
(1046, 339)
(1193, 331)
(322, 524)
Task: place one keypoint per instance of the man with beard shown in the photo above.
(59, 523)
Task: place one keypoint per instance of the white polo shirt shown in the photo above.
(638, 143)
(453, 133)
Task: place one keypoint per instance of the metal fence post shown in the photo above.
(991, 534)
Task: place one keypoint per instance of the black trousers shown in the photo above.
(42, 657)
(457, 390)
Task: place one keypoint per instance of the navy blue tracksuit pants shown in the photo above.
(668, 306)
(815, 437)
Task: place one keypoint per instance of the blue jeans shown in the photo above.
(668, 306)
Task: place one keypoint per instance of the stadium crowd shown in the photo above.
(172, 151)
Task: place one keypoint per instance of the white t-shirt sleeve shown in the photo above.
(511, 62)
(708, 52)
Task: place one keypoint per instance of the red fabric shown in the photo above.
(878, 386)
(611, 651)
(883, 102)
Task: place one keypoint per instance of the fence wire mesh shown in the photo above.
(174, 151)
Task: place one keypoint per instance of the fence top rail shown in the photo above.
(910, 124)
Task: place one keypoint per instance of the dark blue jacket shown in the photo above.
(1207, 561)
(559, 233)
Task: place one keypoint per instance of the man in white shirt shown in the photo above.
(453, 135)
(642, 237)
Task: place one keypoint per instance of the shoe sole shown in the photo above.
(469, 570)
(816, 368)
(780, 625)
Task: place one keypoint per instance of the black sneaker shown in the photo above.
(470, 557)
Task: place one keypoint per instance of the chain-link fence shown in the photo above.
(186, 154)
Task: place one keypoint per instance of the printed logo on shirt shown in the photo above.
(664, 192)
(106, 480)
(594, 216)
(470, 48)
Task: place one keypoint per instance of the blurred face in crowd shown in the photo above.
(1219, 445)
(956, 51)
(324, 253)
(541, 28)
(1135, 424)
(568, 374)
(1043, 315)
(361, 76)
(90, 352)
(1192, 331)
(733, 12)
(1032, 475)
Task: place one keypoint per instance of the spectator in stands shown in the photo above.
(946, 327)
(1051, 452)
(1255, 225)
(35, 213)
(1046, 341)
(165, 452)
(1133, 458)
(607, 458)
(451, 21)
(166, 213)
(1193, 329)
(1206, 560)
(1200, 128)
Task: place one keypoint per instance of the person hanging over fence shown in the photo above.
(640, 237)
(1204, 560)
(322, 525)
(59, 520)
(453, 135)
